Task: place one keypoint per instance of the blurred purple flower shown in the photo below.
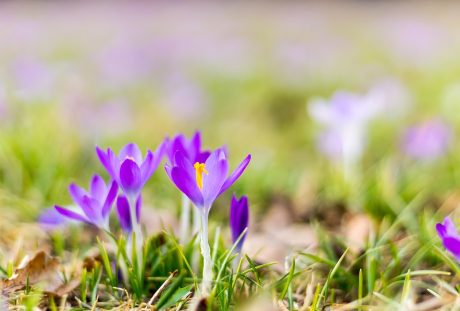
(239, 219)
(31, 77)
(330, 144)
(202, 183)
(126, 62)
(129, 169)
(190, 148)
(343, 110)
(345, 117)
(51, 219)
(413, 41)
(427, 141)
(94, 206)
(449, 237)
(183, 97)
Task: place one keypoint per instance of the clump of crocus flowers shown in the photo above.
(201, 176)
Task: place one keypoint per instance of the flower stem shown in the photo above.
(184, 220)
(136, 230)
(206, 253)
(196, 230)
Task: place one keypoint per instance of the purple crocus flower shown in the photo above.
(202, 183)
(427, 141)
(94, 205)
(450, 237)
(239, 219)
(129, 169)
(190, 148)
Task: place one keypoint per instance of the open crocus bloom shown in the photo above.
(129, 169)
(191, 148)
(94, 206)
(450, 237)
(239, 219)
(202, 183)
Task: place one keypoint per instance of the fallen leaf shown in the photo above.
(65, 289)
(41, 268)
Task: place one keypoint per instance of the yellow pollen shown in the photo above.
(200, 168)
(131, 158)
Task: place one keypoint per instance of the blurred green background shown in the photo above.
(76, 75)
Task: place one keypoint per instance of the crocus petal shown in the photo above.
(51, 219)
(109, 161)
(187, 185)
(452, 245)
(70, 214)
(321, 111)
(77, 193)
(450, 228)
(147, 168)
(158, 154)
(202, 156)
(92, 210)
(131, 151)
(441, 230)
(196, 141)
(124, 214)
(181, 160)
(111, 195)
(130, 177)
(97, 188)
(217, 168)
(235, 174)
(177, 144)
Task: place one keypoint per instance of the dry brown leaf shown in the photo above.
(41, 268)
(65, 289)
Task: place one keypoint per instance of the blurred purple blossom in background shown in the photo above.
(183, 97)
(450, 237)
(428, 140)
(345, 118)
(125, 63)
(32, 78)
(51, 219)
